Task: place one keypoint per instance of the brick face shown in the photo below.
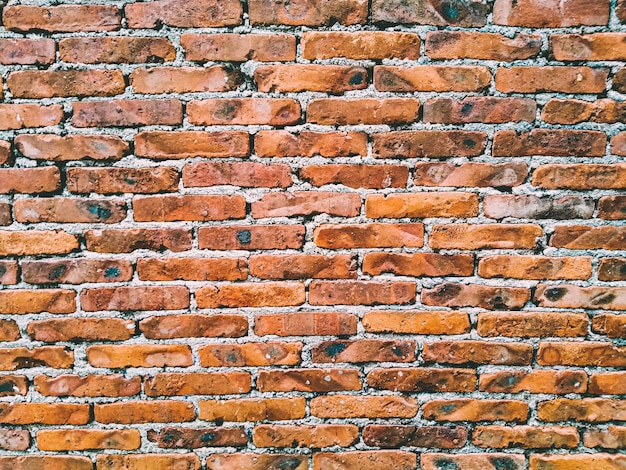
(310, 234)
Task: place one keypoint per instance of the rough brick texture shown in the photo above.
(312, 235)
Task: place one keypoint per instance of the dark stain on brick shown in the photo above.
(335, 348)
(244, 237)
(555, 293)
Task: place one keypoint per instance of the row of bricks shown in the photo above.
(362, 45)
(333, 79)
(375, 460)
(220, 13)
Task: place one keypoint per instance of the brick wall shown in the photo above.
(280, 235)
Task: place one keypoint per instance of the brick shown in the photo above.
(110, 385)
(621, 11)
(558, 143)
(184, 79)
(36, 242)
(479, 109)
(306, 324)
(135, 298)
(431, 78)
(318, 437)
(428, 143)
(438, 322)
(184, 14)
(364, 350)
(582, 237)
(137, 412)
(474, 295)
(83, 439)
(612, 269)
(250, 354)
(307, 13)
(614, 437)
(464, 14)
(535, 267)
(611, 325)
(619, 80)
(239, 47)
(199, 383)
(244, 111)
(47, 462)
(422, 205)
(351, 406)
(267, 294)
(184, 438)
(29, 180)
(618, 144)
(5, 152)
(23, 301)
(127, 113)
(477, 352)
(128, 240)
(375, 235)
(570, 296)
(527, 437)
(8, 272)
(341, 112)
(115, 50)
(580, 176)
(251, 237)
(395, 436)
(252, 409)
(361, 45)
(176, 145)
(607, 383)
(333, 79)
(475, 410)
(422, 380)
(361, 293)
(590, 410)
(551, 13)
(193, 326)
(81, 329)
(144, 355)
(27, 51)
(418, 264)
(557, 111)
(303, 267)
(471, 237)
(545, 79)
(482, 46)
(44, 413)
(5, 219)
(192, 269)
(308, 380)
(152, 461)
(122, 180)
(532, 324)
(374, 460)
(243, 461)
(473, 461)
(71, 147)
(576, 462)
(356, 176)
(536, 207)
(70, 210)
(243, 174)
(536, 381)
(20, 116)
(309, 144)
(14, 439)
(589, 353)
(612, 208)
(299, 203)
(9, 331)
(50, 84)
(188, 207)
(62, 18)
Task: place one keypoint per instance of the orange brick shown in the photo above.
(439, 322)
(71, 147)
(483, 46)
(421, 205)
(198, 383)
(468, 409)
(110, 385)
(74, 439)
(351, 406)
(50, 84)
(184, 14)
(374, 460)
(252, 409)
(334, 79)
(239, 47)
(140, 355)
(551, 79)
(115, 50)
(268, 294)
(307, 13)
(62, 18)
(137, 412)
(360, 45)
(431, 78)
(157, 80)
(475, 295)
(250, 354)
(324, 435)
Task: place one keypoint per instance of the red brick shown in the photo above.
(5, 152)
(137, 412)
(83, 439)
(135, 298)
(8, 272)
(474, 295)
(186, 438)
(307, 12)
(184, 14)
(356, 176)
(184, 79)
(536, 381)
(364, 350)
(535, 207)
(44, 413)
(361, 293)
(334, 79)
(374, 460)
(611, 325)
(23, 301)
(482, 46)
(323, 435)
(431, 78)
(470, 174)
(81, 329)
(308, 380)
(19, 116)
(243, 174)
(373, 235)
(353, 406)
(27, 51)
(244, 461)
(528, 437)
(307, 203)
(306, 324)
(618, 144)
(535, 267)
(252, 409)
(29, 180)
(589, 353)
(590, 410)
(607, 383)
(250, 354)
(267, 294)
(395, 436)
(341, 112)
(188, 207)
(70, 210)
(62, 18)
(122, 180)
(423, 380)
(71, 147)
(477, 352)
(140, 355)
(303, 266)
(193, 326)
(473, 461)
(176, 145)
(551, 13)
(50, 84)
(558, 111)
(421, 205)
(612, 269)
(570, 296)
(612, 208)
(468, 409)
(558, 143)
(577, 462)
(584, 237)
(471, 236)
(127, 113)
(251, 237)
(418, 264)
(308, 144)
(14, 439)
(429, 143)
(192, 269)
(110, 385)
(115, 50)
(439, 322)
(239, 47)
(532, 324)
(580, 176)
(479, 109)
(128, 240)
(200, 383)
(531, 79)
(244, 111)
(360, 45)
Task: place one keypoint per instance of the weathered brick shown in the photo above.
(14, 439)
(361, 293)
(607, 383)
(357, 176)
(192, 269)
(44, 413)
(298, 203)
(23, 301)
(307, 12)
(580, 176)
(557, 111)
(127, 113)
(128, 240)
(473, 236)
(468, 409)
(62, 18)
(157, 80)
(152, 461)
(135, 298)
(532, 324)
(465, 14)
(66, 385)
(251, 237)
(531, 79)
(589, 353)
(473, 461)
(364, 350)
(423, 380)
(122, 180)
(584, 237)
(81, 329)
(479, 109)
(9, 331)
(50, 84)
(27, 51)
(188, 207)
(477, 352)
(576, 461)
(483, 46)
(559, 143)
(244, 111)
(250, 354)
(551, 13)
(373, 235)
(421, 205)
(360, 45)
(341, 112)
(306, 324)
(199, 383)
(308, 380)
(8, 272)
(193, 326)
(70, 210)
(184, 14)
(536, 207)
(46, 462)
(5, 219)
(527, 437)
(351, 406)
(429, 143)
(303, 266)
(176, 145)
(536, 381)
(334, 79)
(612, 208)
(618, 144)
(115, 50)
(418, 264)
(475, 295)
(137, 412)
(324, 435)
(374, 460)
(5, 152)
(431, 78)
(308, 144)
(29, 180)
(83, 439)
(71, 147)
(590, 410)
(252, 409)
(612, 269)
(395, 436)
(239, 47)
(438, 322)
(614, 437)
(241, 461)
(141, 355)
(19, 116)
(570, 296)
(194, 438)
(611, 325)
(535, 267)
(50, 242)
(267, 294)
(244, 174)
